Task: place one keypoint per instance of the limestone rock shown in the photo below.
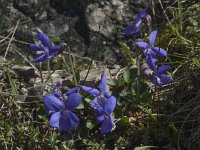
(76, 22)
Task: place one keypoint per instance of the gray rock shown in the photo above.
(26, 72)
(103, 19)
(93, 75)
(35, 93)
(76, 22)
(96, 19)
(56, 27)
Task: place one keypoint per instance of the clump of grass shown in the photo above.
(183, 36)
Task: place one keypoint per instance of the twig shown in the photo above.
(49, 71)
(20, 54)
(7, 37)
(71, 64)
(91, 61)
(11, 39)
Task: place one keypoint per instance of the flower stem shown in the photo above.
(72, 66)
(49, 71)
(138, 74)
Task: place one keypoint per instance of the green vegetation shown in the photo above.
(146, 117)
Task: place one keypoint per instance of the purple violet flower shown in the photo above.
(61, 113)
(47, 51)
(136, 26)
(103, 103)
(149, 48)
(107, 123)
(158, 76)
(151, 62)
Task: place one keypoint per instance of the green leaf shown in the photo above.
(196, 63)
(149, 112)
(81, 106)
(125, 48)
(123, 93)
(145, 147)
(174, 129)
(124, 120)
(112, 82)
(194, 22)
(127, 76)
(127, 52)
(55, 39)
(13, 86)
(59, 63)
(89, 124)
(88, 100)
(130, 75)
(145, 96)
(77, 74)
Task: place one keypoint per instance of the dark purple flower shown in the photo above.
(151, 62)
(102, 101)
(158, 76)
(149, 48)
(107, 123)
(61, 113)
(47, 51)
(103, 104)
(136, 26)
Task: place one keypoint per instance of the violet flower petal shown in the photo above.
(34, 47)
(103, 84)
(40, 57)
(151, 62)
(72, 90)
(74, 119)
(90, 90)
(97, 108)
(142, 44)
(53, 49)
(100, 119)
(65, 123)
(160, 51)
(110, 105)
(107, 124)
(163, 69)
(44, 39)
(52, 104)
(141, 14)
(152, 37)
(73, 100)
(165, 79)
(54, 120)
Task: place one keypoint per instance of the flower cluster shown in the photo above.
(61, 113)
(61, 107)
(155, 74)
(103, 104)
